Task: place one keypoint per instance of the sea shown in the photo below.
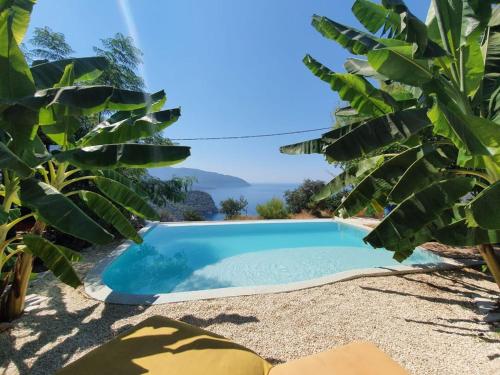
(255, 194)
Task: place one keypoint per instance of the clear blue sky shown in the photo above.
(234, 66)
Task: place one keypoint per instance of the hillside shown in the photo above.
(205, 179)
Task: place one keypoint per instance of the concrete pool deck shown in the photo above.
(96, 289)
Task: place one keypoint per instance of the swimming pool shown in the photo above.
(179, 259)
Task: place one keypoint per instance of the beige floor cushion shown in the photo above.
(163, 346)
(357, 358)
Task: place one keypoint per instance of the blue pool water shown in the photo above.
(199, 257)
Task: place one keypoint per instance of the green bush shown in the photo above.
(232, 207)
(274, 209)
(301, 198)
(192, 215)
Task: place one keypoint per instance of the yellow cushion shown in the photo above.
(357, 358)
(163, 346)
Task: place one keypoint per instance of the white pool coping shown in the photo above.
(96, 289)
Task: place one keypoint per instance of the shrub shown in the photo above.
(232, 207)
(192, 215)
(300, 199)
(274, 209)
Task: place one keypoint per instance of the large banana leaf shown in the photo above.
(10, 161)
(54, 259)
(414, 213)
(117, 176)
(426, 169)
(87, 100)
(355, 41)
(460, 234)
(131, 184)
(356, 90)
(128, 155)
(61, 131)
(16, 81)
(313, 146)
(131, 129)
(60, 212)
(347, 178)
(47, 74)
(491, 55)
(156, 103)
(110, 214)
(375, 17)
(414, 31)
(473, 65)
(480, 138)
(21, 123)
(379, 132)
(398, 64)
(362, 68)
(20, 13)
(457, 20)
(484, 213)
(376, 186)
(126, 197)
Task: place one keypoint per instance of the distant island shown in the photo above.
(204, 180)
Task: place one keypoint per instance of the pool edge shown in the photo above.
(96, 289)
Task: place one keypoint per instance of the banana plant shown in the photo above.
(425, 130)
(48, 100)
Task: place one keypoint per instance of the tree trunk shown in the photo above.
(12, 303)
(492, 261)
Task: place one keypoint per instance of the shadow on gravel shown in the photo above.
(219, 319)
(75, 332)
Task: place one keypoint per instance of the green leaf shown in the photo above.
(314, 146)
(53, 258)
(10, 161)
(110, 214)
(355, 41)
(126, 197)
(87, 100)
(378, 132)
(397, 231)
(426, 169)
(347, 178)
(398, 64)
(376, 186)
(20, 11)
(414, 31)
(485, 208)
(131, 129)
(157, 100)
(375, 17)
(16, 81)
(474, 66)
(127, 155)
(21, 123)
(478, 137)
(61, 131)
(60, 212)
(361, 94)
(362, 68)
(491, 55)
(459, 234)
(47, 74)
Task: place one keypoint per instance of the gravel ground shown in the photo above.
(426, 322)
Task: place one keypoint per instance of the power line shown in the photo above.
(248, 136)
